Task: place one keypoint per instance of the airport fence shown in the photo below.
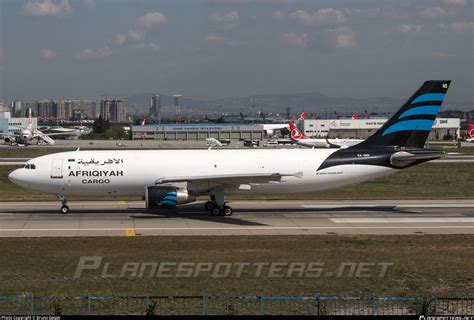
(149, 304)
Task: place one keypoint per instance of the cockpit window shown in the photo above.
(29, 166)
(32, 166)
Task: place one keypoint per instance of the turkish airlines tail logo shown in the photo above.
(470, 130)
(303, 116)
(295, 133)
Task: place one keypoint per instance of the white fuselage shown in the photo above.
(128, 172)
(323, 143)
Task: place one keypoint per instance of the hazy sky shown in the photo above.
(220, 48)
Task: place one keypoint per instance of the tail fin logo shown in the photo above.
(470, 130)
(410, 126)
(303, 116)
(421, 113)
(295, 133)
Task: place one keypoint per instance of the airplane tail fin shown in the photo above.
(295, 133)
(470, 130)
(303, 116)
(30, 119)
(410, 126)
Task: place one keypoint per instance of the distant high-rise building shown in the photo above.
(155, 107)
(63, 109)
(117, 111)
(177, 104)
(17, 109)
(105, 109)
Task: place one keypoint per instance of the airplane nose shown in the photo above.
(13, 176)
(18, 178)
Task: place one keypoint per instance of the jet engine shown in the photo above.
(166, 196)
(8, 140)
(269, 132)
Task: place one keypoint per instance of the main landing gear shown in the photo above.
(217, 206)
(64, 208)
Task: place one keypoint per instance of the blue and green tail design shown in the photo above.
(410, 126)
(169, 199)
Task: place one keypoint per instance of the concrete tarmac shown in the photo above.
(110, 218)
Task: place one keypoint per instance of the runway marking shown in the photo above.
(402, 220)
(428, 205)
(130, 232)
(237, 228)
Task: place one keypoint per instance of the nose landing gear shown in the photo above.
(64, 208)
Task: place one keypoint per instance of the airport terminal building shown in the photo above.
(444, 128)
(363, 128)
(185, 131)
(9, 125)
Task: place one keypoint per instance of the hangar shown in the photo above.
(185, 131)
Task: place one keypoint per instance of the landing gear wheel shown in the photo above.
(228, 211)
(209, 205)
(216, 211)
(64, 209)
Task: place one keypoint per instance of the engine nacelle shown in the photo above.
(269, 132)
(164, 196)
(9, 139)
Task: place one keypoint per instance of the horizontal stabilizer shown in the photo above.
(404, 158)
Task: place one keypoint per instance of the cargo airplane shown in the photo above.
(166, 178)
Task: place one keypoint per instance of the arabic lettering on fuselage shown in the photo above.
(99, 162)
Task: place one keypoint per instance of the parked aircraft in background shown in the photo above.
(27, 135)
(470, 133)
(66, 132)
(297, 136)
(173, 177)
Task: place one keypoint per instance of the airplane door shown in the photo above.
(57, 169)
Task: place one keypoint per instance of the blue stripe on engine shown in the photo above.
(429, 97)
(409, 125)
(168, 203)
(433, 110)
(172, 198)
(172, 193)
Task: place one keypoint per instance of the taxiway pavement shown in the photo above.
(121, 218)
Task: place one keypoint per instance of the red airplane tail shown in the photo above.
(303, 116)
(295, 133)
(470, 130)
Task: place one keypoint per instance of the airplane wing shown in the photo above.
(61, 130)
(68, 133)
(228, 181)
